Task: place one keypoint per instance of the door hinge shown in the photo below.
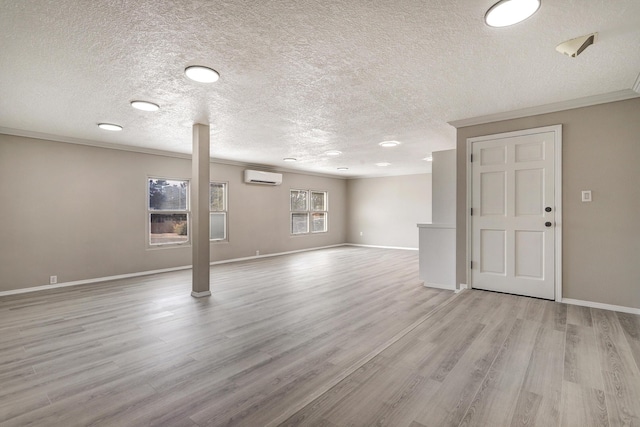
(471, 211)
(471, 265)
(471, 160)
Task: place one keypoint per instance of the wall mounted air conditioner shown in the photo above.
(265, 178)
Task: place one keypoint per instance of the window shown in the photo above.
(309, 211)
(218, 211)
(168, 211)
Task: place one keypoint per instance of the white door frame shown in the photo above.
(557, 131)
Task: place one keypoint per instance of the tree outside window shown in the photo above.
(308, 211)
(168, 211)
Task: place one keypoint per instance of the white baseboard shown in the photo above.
(89, 281)
(439, 286)
(200, 294)
(148, 272)
(602, 306)
(463, 286)
(381, 247)
(226, 261)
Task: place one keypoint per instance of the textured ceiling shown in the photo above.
(302, 77)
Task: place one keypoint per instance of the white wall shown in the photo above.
(387, 210)
(444, 187)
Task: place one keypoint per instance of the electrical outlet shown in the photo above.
(257, 253)
(53, 280)
(586, 195)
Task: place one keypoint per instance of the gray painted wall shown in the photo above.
(444, 187)
(387, 210)
(79, 212)
(601, 239)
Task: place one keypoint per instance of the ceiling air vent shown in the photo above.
(574, 47)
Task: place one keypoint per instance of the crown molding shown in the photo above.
(587, 101)
(389, 175)
(155, 152)
(87, 142)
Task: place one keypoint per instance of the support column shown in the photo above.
(200, 211)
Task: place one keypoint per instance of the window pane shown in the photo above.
(168, 195)
(168, 228)
(318, 201)
(298, 200)
(299, 223)
(216, 197)
(217, 226)
(318, 222)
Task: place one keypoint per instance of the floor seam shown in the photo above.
(462, 420)
(358, 364)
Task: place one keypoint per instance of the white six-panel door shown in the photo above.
(513, 217)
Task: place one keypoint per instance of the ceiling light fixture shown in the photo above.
(145, 106)
(509, 12)
(389, 143)
(289, 159)
(110, 126)
(343, 169)
(202, 74)
(383, 164)
(428, 158)
(333, 153)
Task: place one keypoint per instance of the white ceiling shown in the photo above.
(299, 77)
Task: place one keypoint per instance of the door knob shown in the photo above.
(547, 209)
(548, 224)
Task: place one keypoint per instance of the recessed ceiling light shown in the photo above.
(382, 164)
(389, 143)
(202, 74)
(109, 126)
(428, 158)
(333, 153)
(289, 159)
(343, 169)
(509, 12)
(145, 106)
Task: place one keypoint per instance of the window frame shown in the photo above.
(225, 211)
(325, 211)
(150, 212)
(308, 212)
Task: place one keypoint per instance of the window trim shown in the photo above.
(309, 212)
(150, 212)
(225, 211)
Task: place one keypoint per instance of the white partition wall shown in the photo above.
(437, 240)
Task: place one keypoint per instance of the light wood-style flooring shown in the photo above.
(336, 337)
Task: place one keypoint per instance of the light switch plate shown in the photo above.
(586, 195)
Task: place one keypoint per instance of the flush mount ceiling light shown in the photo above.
(428, 159)
(333, 153)
(383, 164)
(509, 12)
(202, 74)
(145, 106)
(343, 169)
(110, 126)
(389, 143)
(289, 159)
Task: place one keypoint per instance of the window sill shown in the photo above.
(168, 246)
(308, 234)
